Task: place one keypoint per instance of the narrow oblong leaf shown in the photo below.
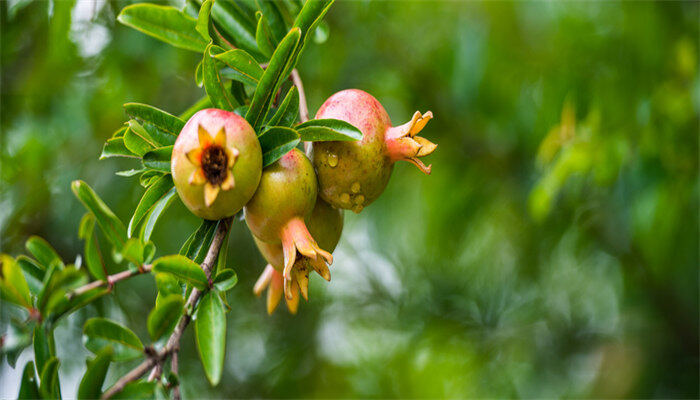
(164, 23)
(91, 384)
(42, 350)
(203, 20)
(288, 110)
(28, 388)
(263, 36)
(215, 86)
(158, 159)
(33, 272)
(276, 142)
(137, 139)
(272, 78)
(243, 66)
(164, 121)
(50, 386)
(115, 147)
(13, 285)
(43, 251)
(165, 315)
(274, 17)
(101, 332)
(157, 211)
(196, 246)
(328, 130)
(156, 192)
(113, 228)
(210, 335)
(235, 25)
(93, 257)
(137, 390)
(182, 268)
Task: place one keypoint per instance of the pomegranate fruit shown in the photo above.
(351, 175)
(285, 198)
(216, 163)
(325, 224)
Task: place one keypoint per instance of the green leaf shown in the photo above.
(263, 36)
(137, 139)
(287, 112)
(164, 23)
(201, 104)
(198, 78)
(108, 222)
(50, 386)
(225, 280)
(235, 25)
(33, 272)
(203, 20)
(214, 84)
(210, 335)
(101, 332)
(28, 388)
(158, 159)
(94, 377)
(13, 285)
(167, 284)
(42, 351)
(43, 251)
(162, 120)
(243, 67)
(164, 317)
(157, 211)
(317, 130)
(276, 142)
(52, 301)
(137, 390)
(272, 78)
(196, 246)
(133, 251)
(309, 16)
(115, 147)
(183, 268)
(129, 172)
(156, 192)
(93, 257)
(274, 18)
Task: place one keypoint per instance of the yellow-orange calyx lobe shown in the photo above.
(214, 160)
(404, 144)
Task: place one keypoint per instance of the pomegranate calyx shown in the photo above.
(214, 161)
(403, 144)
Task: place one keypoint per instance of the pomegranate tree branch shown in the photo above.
(111, 280)
(173, 344)
(174, 369)
(303, 108)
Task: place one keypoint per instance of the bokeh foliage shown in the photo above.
(553, 252)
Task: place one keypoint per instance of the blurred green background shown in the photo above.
(553, 252)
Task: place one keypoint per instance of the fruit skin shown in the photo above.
(326, 225)
(352, 175)
(285, 198)
(246, 170)
(287, 190)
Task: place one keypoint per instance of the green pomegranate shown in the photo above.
(351, 175)
(325, 224)
(216, 163)
(285, 198)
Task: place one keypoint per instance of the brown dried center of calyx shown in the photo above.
(214, 162)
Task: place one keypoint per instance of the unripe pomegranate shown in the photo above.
(325, 224)
(216, 163)
(285, 198)
(351, 175)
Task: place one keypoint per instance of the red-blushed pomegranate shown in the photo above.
(216, 163)
(285, 198)
(325, 225)
(351, 175)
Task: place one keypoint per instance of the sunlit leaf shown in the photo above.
(43, 252)
(203, 19)
(108, 222)
(182, 268)
(165, 315)
(156, 192)
(225, 280)
(243, 67)
(13, 285)
(165, 23)
(162, 120)
(115, 147)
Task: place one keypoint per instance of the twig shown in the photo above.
(174, 369)
(303, 108)
(111, 280)
(173, 344)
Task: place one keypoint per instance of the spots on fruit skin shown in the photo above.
(345, 198)
(333, 160)
(359, 199)
(357, 209)
(355, 187)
